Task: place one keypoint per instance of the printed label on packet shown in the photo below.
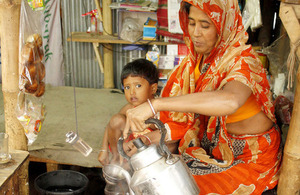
(36, 5)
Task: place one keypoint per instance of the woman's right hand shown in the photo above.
(136, 117)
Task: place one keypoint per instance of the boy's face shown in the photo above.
(137, 90)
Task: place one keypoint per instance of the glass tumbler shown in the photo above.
(78, 143)
(4, 151)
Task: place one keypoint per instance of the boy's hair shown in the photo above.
(140, 68)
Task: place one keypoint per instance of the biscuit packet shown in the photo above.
(30, 107)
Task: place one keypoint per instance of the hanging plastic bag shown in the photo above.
(252, 15)
(153, 55)
(30, 108)
(31, 114)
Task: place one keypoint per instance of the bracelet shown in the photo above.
(152, 108)
(148, 139)
(102, 150)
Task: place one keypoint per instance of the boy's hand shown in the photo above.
(129, 148)
(103, 157)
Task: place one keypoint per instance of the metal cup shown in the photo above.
(4, 150)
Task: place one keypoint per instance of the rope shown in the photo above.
(73, 80)
(291, 63)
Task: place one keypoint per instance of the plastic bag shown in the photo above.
(153, 55)
(30, 108)
(31, 114)
(277, 54)
(131, 30)
(252, 15)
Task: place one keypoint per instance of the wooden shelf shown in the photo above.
(108, 39)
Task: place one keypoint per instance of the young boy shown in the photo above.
(139, 79)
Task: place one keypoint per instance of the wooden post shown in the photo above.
(108, 49)
(9, 33)
(289, 181)
(23, 178)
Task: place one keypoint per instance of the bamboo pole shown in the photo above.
(107, 49)
(9, 33)
(289, 181)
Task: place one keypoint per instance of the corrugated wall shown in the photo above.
(81, 55)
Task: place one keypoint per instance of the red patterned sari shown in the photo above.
(222, 163)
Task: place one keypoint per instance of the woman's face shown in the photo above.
(202, 31)
(137, 90)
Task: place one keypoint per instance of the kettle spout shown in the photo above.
(128, 180)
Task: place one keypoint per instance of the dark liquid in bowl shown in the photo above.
(62, 189)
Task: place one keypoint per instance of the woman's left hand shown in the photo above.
(135, 118)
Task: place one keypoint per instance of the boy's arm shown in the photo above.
(125, 108)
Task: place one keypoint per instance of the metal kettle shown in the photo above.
(156, 171)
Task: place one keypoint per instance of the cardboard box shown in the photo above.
(177, 49)
(166, 62)
(149, 31)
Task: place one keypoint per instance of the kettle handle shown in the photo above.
(121, 149)
(163, 147)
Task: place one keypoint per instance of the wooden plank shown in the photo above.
(98, 56)
(23, 178)
(51, 167)
(43, 160)
(99, 38)
(291, 1)
(290, 22)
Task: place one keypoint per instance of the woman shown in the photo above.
(218, 104)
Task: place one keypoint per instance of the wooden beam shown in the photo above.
(290, 22)
(99, 10)
(98, 56)
(9, 33)
(108, 49)
(109, 39)
(289, 181)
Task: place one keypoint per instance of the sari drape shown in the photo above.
(222, 163)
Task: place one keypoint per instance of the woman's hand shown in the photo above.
(135, 118)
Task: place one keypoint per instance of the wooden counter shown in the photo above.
(94, 109)
(14, 174)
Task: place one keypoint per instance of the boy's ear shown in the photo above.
(154, 88)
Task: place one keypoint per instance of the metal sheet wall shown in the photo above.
(81, 56)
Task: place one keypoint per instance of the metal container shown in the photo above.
(156, 170)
